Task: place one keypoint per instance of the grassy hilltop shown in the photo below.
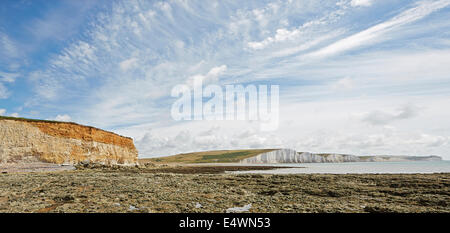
(234, 156)
(219, 156)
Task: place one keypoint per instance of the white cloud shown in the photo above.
(8, 46)
(211, 77)
(47, 85)
(341, 126)
(2, 111)
(381, 117)
(317, 126)
(344, 84)
(376, 32)
(11, 57)
(128, 64)
(192, 137)
(4, 92)
(281, 35)
(14, 114)
(64, 117)
(355, 3)
(166, 8)
(306, 45)
(305, 31)
(8, 77)
(216, 71)
(155, 144)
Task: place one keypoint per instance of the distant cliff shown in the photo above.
(292, 156)
(62, 142)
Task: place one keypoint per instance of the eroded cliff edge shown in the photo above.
(62, 143)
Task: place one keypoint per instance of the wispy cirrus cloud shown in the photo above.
(375, 33)
(4, 93)
(337, 63)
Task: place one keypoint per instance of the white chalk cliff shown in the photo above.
(292, 156)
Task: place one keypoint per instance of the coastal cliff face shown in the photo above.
(62, 143)
(292, 156)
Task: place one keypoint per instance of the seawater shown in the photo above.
(358, 168)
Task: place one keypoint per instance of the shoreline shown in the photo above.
(242, 168)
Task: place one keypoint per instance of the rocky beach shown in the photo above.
(192, 189)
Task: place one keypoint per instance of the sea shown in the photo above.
(423, 167)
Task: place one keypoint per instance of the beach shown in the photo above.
(191, 190)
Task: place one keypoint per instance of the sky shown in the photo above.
(364, 77)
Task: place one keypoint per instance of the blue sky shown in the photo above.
(355, 76)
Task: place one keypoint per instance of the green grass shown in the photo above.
(28, 119)
(323, 155)
(364, 158)
(225, 158)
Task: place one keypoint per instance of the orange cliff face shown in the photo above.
(24, 140)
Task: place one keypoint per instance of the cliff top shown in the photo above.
(29, 119)
(57, 122)
(218, 156)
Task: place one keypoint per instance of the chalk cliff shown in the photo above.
(62, 143)
(292, 156)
